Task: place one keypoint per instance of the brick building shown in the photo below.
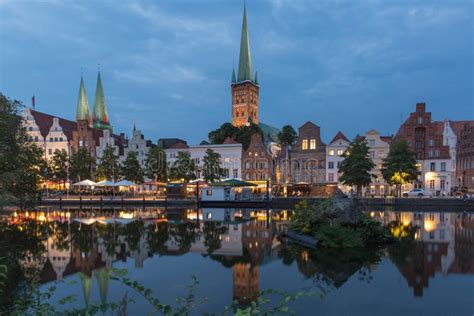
(257, 163)
(465, 157)
(308, 155)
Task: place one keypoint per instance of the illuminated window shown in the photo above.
(304, 146)
(340, 152)
(312, 144)
(331, 152)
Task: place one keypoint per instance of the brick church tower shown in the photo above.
(244, 88)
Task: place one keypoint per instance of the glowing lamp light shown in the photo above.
(430, 226)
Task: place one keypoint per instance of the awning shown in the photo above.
(88, 183)
(233, 183)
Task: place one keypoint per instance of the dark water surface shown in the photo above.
(235, 253)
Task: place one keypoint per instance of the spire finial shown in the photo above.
(134, 127)
(245, 58)
(98, 67)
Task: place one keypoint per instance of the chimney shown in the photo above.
(420, 107)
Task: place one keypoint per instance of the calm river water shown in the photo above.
(235, 253)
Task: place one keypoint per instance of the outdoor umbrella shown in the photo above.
(125, 183)
(87, 183)
(105, 183)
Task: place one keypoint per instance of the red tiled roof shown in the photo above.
(340, 136)
(45, 121)
(458, 126)
(178, 145)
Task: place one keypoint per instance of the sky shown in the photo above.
(166, 65)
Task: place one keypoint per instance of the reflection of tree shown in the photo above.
(109, 235)
(332, 267)
(212, 235)
(22, 251)
(133, 232)
(61, 236)
(157, 236)
(82, 237)
(185, 235)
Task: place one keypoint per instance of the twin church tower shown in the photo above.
(244, 87)
(100, 116)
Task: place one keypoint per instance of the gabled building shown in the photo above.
(137, 144)
(334, 151)
(308, 155)
(465, 157)
(257, 163)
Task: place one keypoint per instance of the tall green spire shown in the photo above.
(100, 116)
(245, 59)
(233, 75)
(82, 108)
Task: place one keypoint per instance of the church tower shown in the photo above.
(83, 136)
(244, 88)
(100, 116)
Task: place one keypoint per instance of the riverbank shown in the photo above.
(396, 204)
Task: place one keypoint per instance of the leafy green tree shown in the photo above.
(400, 165)
(81, 165)
(108, 166)
(183, 168)
(60, 165)
(287, 136)
(155, 164)
(212, 170)
(21, 161)
(356, 165)
(131, 169)
(241, 134)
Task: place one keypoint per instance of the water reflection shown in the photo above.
(56, 244)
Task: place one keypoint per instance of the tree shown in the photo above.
(287, 136)
(131, 169)
(183, 168)
(60, 165)
(21, 161)
(155, 164)
(400, 165)
(241, 134)
(356, 165)
(212, 169)
(81, 165)
(108, 166)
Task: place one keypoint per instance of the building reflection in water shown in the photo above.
(89, 242)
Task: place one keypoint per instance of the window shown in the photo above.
(443, 166)
(420, 120)
(247, 165)
(371, 142)
(441, 234)
(304, 145)
(432, 234)
(431, 142)
(371, 154)
(50, 139)
(30, 128)
(331, 165)
(36, 138)
(55, 139)
(433, 166)
(235, 173)
(432, 184)
(80, 143)
(60, 139)
(331, 152)
(340, 152)
(442, 184)
(209, 192)
(330, 177)
(50, 151)
(312, 144)
(339, 164)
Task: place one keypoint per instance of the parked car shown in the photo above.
(414, 192)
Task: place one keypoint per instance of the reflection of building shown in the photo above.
(246, 282)
(59, 258)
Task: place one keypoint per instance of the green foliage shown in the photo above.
(335, 228)
(60, 165)
(287, 136)
(108, 166)
(131, 169)
(155, 164)
(400, 165)
(183, 168)
(357, 165)
(81, 165)
(212, 170)
(21, 162)
(241, 134)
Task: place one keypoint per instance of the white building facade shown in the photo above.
(334, 151)
(137, 144)
(106, 140)
(231, 157)
(379, 147)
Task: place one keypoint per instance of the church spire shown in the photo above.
(82, 108)
(245, 59)
(100, 116)
(233, 75)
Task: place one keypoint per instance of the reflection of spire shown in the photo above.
(86, 282)
(102, 277)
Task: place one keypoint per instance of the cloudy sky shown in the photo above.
(166, 65)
